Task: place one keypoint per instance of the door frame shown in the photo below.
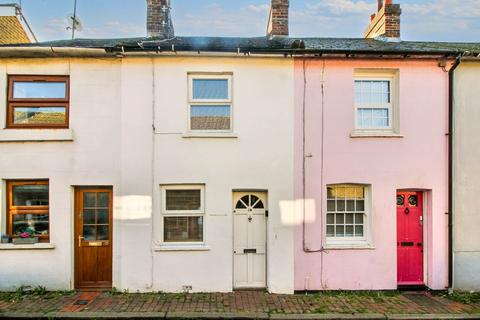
(76, 205)
(267, 202)
(425, 222)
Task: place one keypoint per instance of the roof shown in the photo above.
(275, 45)
(14, 28)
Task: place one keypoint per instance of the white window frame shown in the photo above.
(213, 102)
(182, 213)
(352, 242)
(392, 77)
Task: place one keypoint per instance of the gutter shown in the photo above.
(451, 120)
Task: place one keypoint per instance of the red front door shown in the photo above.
(410, 238)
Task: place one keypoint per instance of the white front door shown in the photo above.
(249, 239)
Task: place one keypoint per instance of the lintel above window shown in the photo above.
(38, 102)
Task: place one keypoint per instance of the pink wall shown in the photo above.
(418, 160)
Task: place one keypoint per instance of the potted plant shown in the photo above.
(26, 237)
(5, 238)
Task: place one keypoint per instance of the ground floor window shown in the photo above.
(183, 213)
(28, 209)
(347, 212)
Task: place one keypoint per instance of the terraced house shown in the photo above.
(212, 164)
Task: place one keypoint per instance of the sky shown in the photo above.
(428, 20)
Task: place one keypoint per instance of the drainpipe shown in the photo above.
(451, 77)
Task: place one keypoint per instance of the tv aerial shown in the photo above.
(73, 21)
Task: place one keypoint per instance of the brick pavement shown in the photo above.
(241, 302)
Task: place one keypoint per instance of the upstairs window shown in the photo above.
(373, 103)
(210, 103)
(38, 102)
(28, 208)
(376, 101)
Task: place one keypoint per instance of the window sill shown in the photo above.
(374, 134)
(36, 246)
(349, 246)
(200, 247)
(221, 135)
(35, 135)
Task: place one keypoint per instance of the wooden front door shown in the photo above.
(249, 255)
(410, 238)
(93, 238)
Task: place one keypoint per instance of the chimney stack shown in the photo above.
(278, 21)
(386, 22)
(159, 21)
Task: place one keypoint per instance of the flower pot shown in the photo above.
(25, 240)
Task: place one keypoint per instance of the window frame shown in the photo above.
(182, 213)
(339, 242)
(12, 210)
(209, 102)
(37, 102)
(393, 107)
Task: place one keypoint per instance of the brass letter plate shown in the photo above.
(95, 244)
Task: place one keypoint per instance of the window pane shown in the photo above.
(349, 231)
(39, 115)
(330, 218)
(183, 229)
(210, 117)
(373, 118)
(89, 200)
(35, 223)
(210, 89)
(351, 205)
(39, 90)
(330, 205)
(349, 218)
(358, 231)
(30, 195)
(103, 216)
(340, 205)
(102, 233)
(89, 216)
(103, 200)
(330, 231)
(89, 233)
(372, 92)
(340, 231)
(183, 200)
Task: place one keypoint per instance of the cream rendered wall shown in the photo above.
(466, 177)
(111, 111)
(91, 159)
(261, 157)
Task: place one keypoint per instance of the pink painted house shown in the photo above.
(371, 162)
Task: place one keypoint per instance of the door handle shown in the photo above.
(80, 238)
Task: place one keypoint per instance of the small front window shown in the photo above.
(183, 213)
(210, 103)
(346, 212)
(28, 209)
(38, 102)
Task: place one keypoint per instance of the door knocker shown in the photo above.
(250, 219)
(407, 211)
